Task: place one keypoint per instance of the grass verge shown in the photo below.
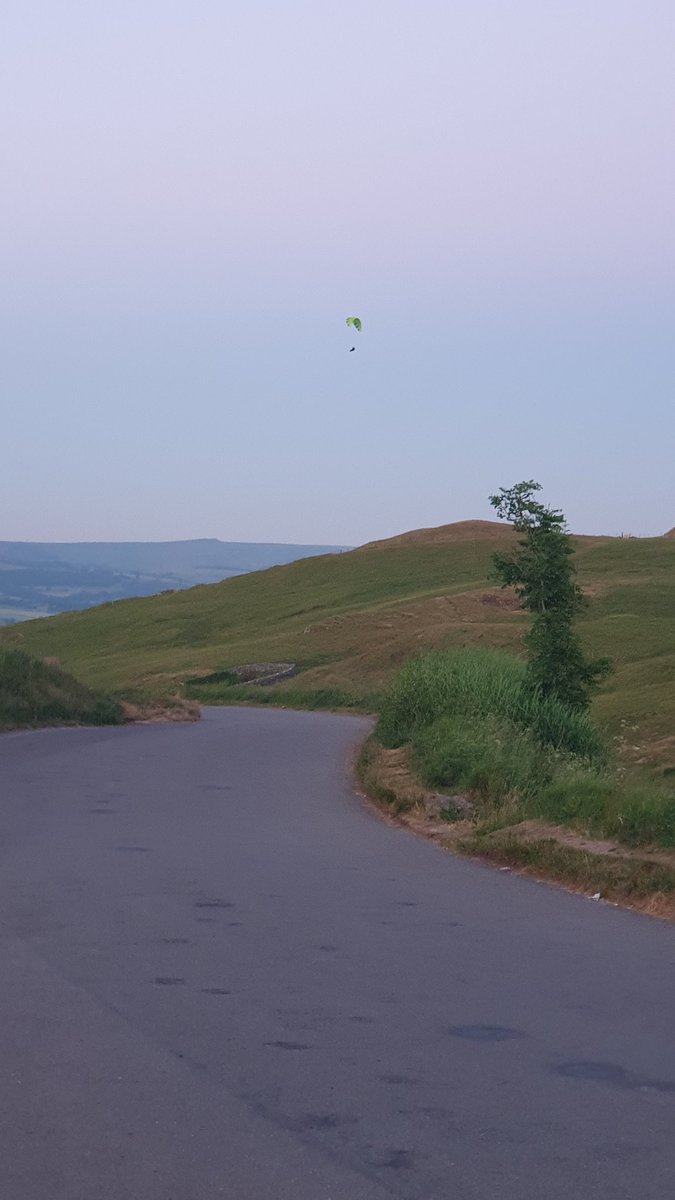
(474, 726)
(34, 693)
(328, 698)
(643, 883)
(463, 754)
(637, 879)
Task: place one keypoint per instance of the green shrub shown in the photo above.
(475, 725)
(644, 816)
(481, 683)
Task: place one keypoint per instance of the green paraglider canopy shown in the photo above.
(355, 321)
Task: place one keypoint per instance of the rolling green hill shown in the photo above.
(349, 621)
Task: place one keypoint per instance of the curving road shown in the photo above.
(222, 976)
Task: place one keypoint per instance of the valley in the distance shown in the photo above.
(38, 579)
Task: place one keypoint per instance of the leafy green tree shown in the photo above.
(544, 576)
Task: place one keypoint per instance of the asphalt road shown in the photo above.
(222, 975)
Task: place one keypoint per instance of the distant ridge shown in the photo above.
(171, 557)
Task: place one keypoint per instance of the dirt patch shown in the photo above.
(535, 831)
(501, 598)
(595, 591)
(395, 775)
(601, 869)
(389, 776)
(661, 752)
(151, 714)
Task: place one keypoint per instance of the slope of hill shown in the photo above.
(38, 578)
(350, 620)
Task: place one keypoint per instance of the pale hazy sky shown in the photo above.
(196, 194)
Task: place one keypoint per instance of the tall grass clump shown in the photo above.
(38, 693)
(635, 812)
(492, 760)
(481, 684)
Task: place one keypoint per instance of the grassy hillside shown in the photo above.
(38, 693)
(349, 621)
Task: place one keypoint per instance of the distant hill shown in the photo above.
(442, 535)
(41, 578)
(349, 620)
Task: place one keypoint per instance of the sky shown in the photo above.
(197, 194)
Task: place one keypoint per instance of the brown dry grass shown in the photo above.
(661, 753)
(381, 640)
(443, 535)
(387, 775)
(177, 710)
